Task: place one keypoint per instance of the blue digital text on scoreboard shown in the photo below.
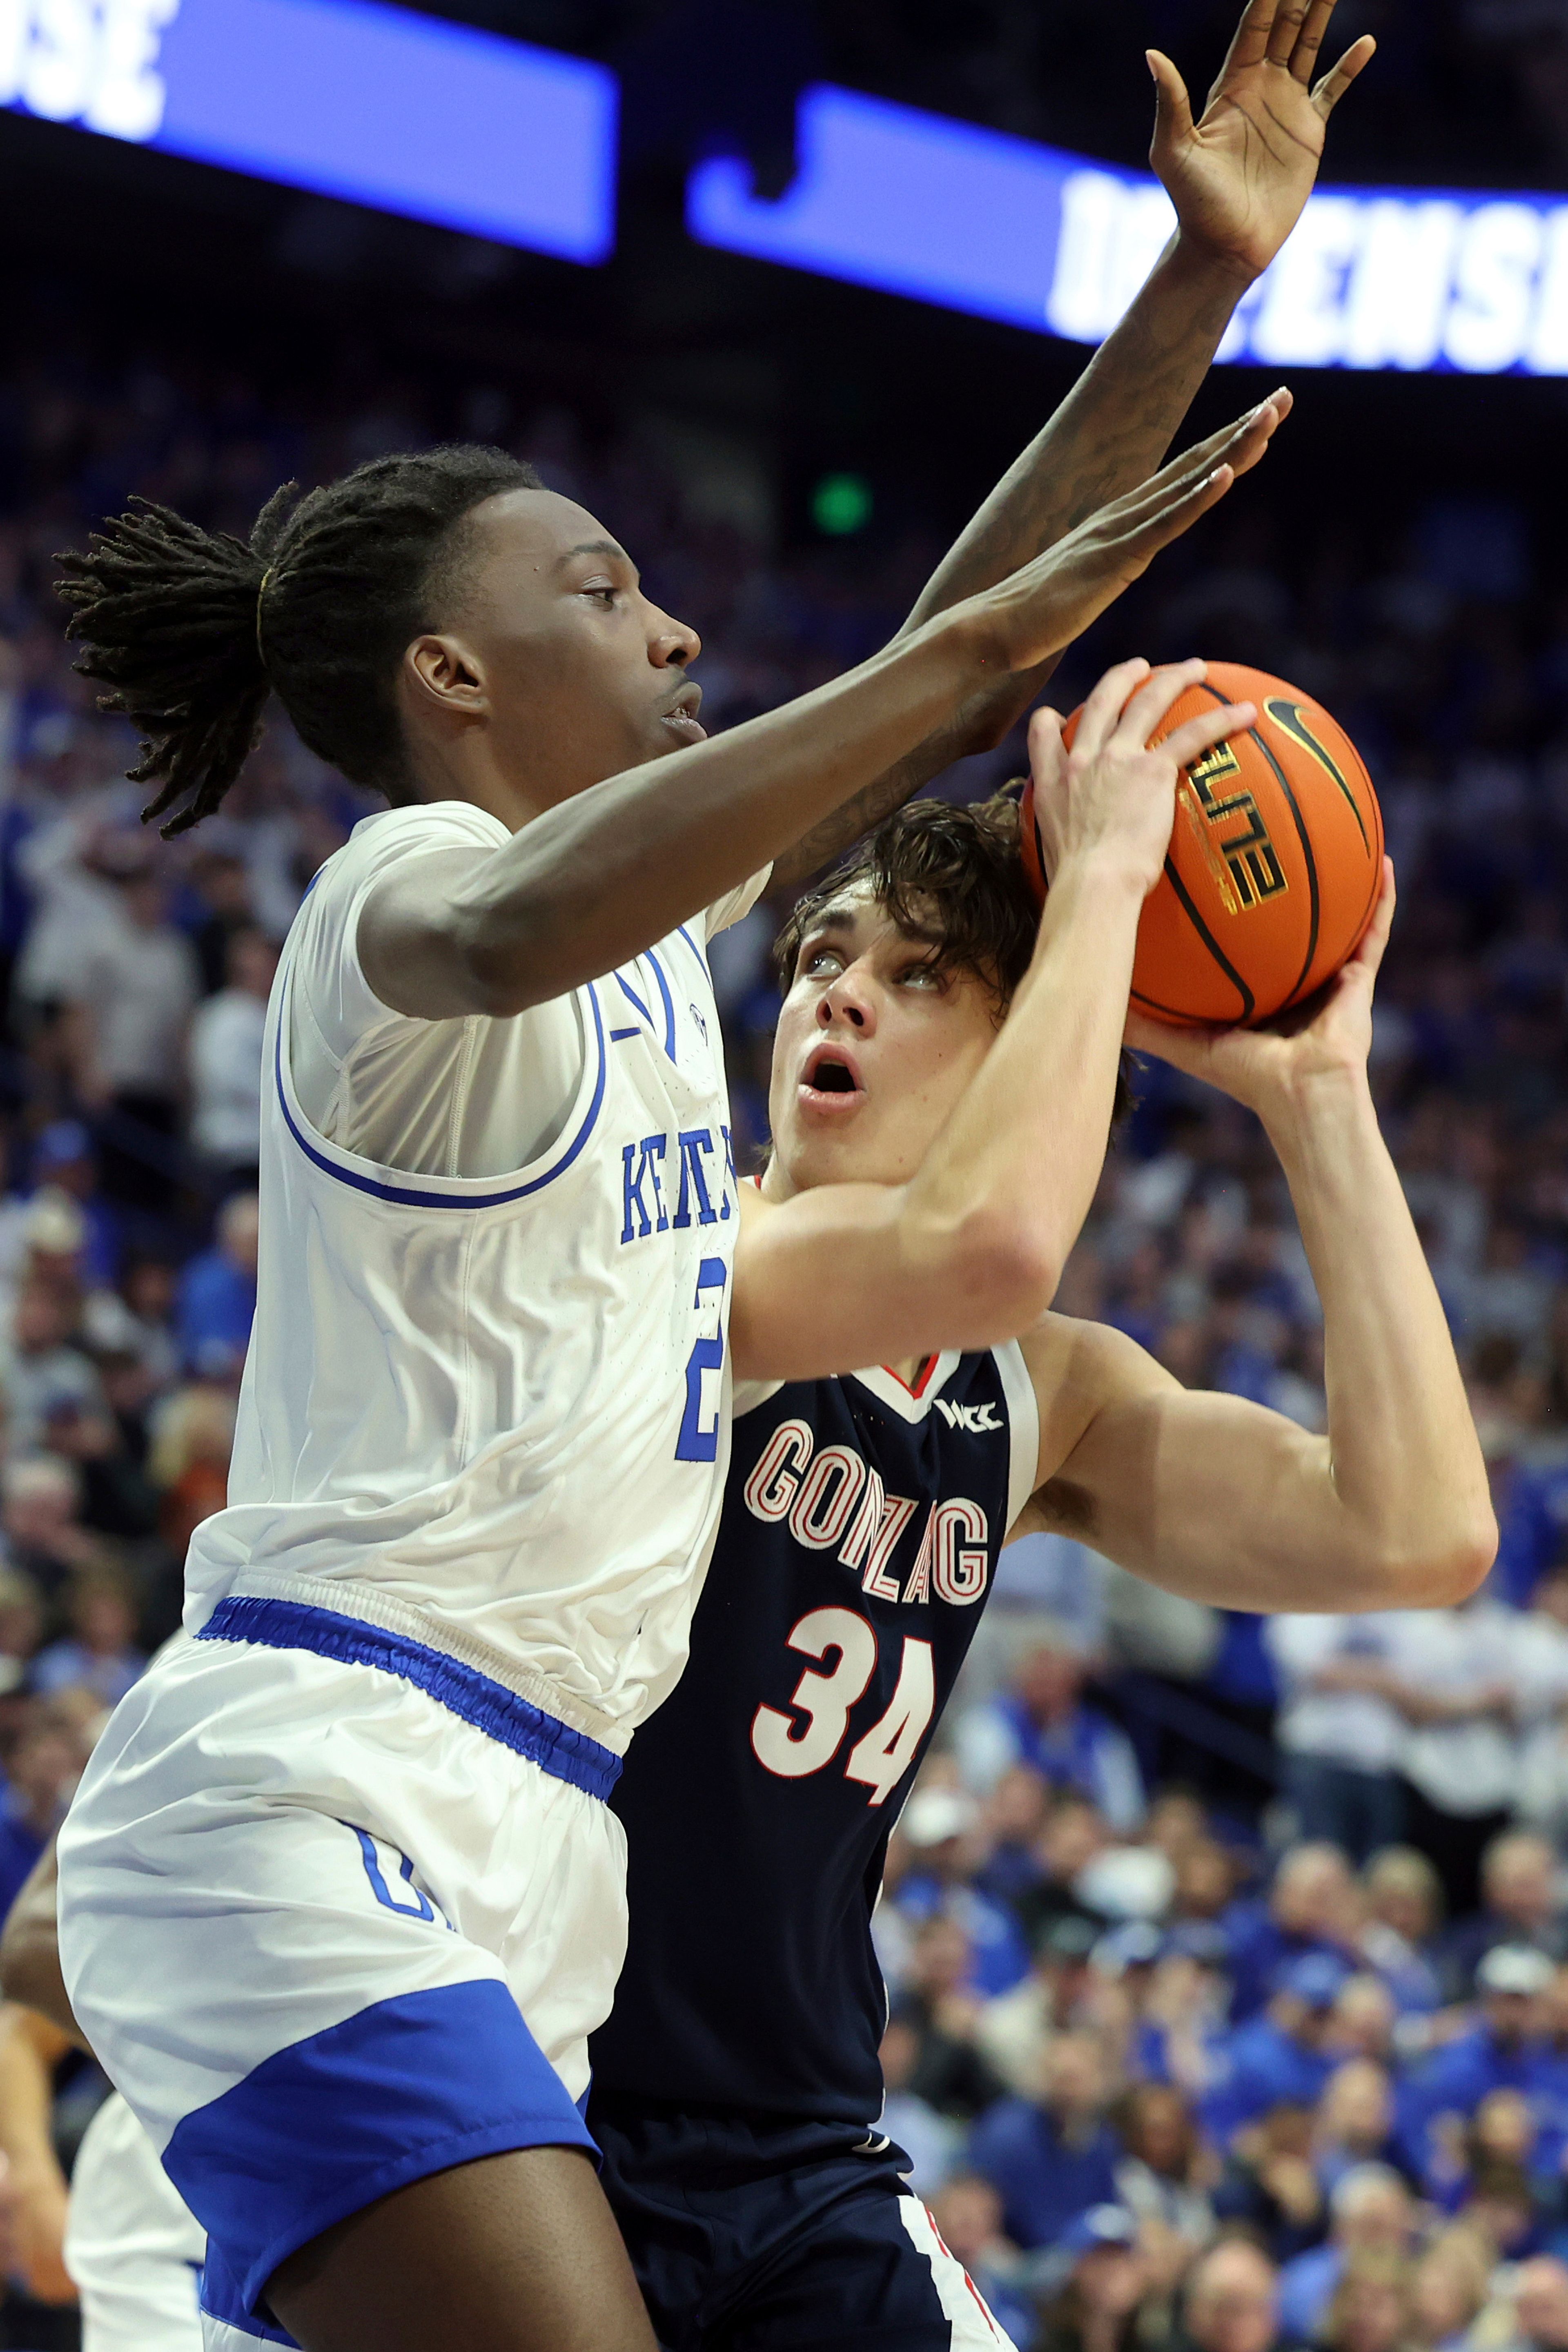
(406, 112)
(1372, 277)
(418, 115)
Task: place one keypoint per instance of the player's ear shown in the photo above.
(445, 673)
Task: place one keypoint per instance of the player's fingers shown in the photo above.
(1370, 953)
(1172, 107)
(1285, 31)
(1104, 706)
(1145, 708)
(1238, 444)
(1310, 40)
(1250, 42)
(1142, 542)
(1333, 86)
(1185, 1049)
(1047, 756)
(1194, 737)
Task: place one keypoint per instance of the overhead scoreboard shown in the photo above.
(416, 115)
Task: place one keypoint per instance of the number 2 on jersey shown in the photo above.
(698, 1439)
(883, 1755)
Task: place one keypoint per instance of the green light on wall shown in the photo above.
(841, 505)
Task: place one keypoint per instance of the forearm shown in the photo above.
(1406, 1467)
(26, 2100)
(590, 883)
(1109, 434)
(970, 1251)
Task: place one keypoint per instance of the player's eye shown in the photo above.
(922, 974)
(818, 963)
(604, 591)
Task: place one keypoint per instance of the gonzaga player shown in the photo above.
(340, 1896)
(736, 2087)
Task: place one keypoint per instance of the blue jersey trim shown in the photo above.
(489, 1706)
(669, 1004)
(404, 1196)
(403, 2088)
(692, 945)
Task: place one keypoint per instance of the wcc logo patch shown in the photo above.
(974, 1420)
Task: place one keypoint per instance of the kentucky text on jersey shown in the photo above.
(693, 1152)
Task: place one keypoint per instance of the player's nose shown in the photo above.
(671, 645)
(847, 999)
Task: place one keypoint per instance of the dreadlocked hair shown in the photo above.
(190, 630)
(949, 875)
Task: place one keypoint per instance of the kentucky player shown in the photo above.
(737, 2088)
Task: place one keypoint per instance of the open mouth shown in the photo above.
(681, 718)
(830, 1079)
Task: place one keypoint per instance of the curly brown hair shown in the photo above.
(952, 877)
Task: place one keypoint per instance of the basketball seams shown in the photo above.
(1248, 1002)
(1314, 895)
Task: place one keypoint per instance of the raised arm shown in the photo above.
(597, 878)
(1238, 177)
(969, 1251)
(1219, 1499)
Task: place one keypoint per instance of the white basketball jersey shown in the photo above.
(492, 1412)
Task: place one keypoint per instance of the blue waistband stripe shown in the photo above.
(489, 1706)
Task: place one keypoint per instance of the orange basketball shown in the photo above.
(1275, 863)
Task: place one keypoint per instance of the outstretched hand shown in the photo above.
(1266, 1068)
(1240, 174)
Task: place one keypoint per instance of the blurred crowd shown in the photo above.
(1226, 1955)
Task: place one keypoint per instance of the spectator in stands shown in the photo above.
(1371, 2211)
(43, 1768)
(1453, 1679)
(1341, 1735)
(1540, 2306)
(1312, 1907)
(1505, 2049)
(1041, 1719)
(1373, 2306)
(21, 1627)
(1522, 1903)
(218, 1296)
(1232, 2301)
(225, 1062)
(1012, 2031)
(968, 2212)
(65, 1161)
(134, 994)
(1285, 2055)
(939, 2002)
(187, 1460)
(1161, 2176)
(40, 1505)
(1404, 1898)
(1096, 2310)
(41, 1367)
(1074, 1835)
(939, 1829)
(1050, 2158)
(1450, 2288)
(1269, 2182)
(1355, 2121)
(99, 1653)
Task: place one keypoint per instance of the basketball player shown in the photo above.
(340, 1895)
(737, 2088)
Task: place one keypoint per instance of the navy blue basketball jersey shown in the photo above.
(860, 1529)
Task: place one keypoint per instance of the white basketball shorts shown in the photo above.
(337, 1911)
(132, 2246)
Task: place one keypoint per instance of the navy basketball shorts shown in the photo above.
(337, 1912)
(761, 2234)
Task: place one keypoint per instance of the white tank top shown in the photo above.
(490, 1412)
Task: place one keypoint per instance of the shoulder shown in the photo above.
(394, 837)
